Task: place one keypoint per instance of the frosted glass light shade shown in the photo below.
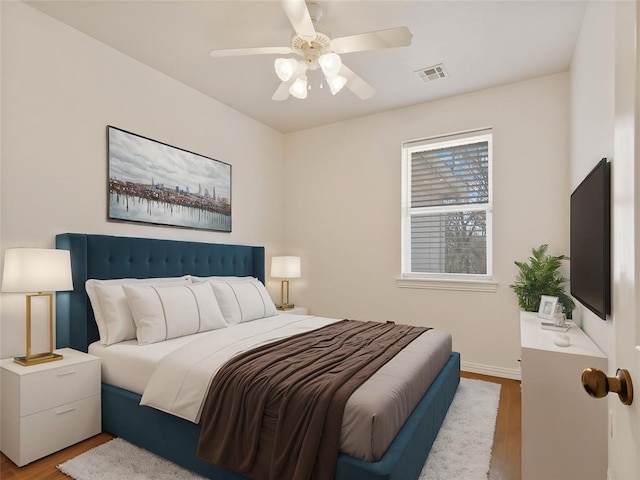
(299, 88)
(285, 68)
(336, 83)
(285, 267)
(36, 270)
(330, 64)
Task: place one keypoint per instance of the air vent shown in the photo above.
(429, 74)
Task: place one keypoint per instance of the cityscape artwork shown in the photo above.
(155, 183)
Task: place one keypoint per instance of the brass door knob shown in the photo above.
(598, 385)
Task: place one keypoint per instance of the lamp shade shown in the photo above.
(36, 270)
(285, 68)
(336, 83)
(285, 267)
(299, 88)
(330, 64)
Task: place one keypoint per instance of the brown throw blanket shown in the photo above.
(275, 412)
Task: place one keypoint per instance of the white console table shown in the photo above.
(564, 430)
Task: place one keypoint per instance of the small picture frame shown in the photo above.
(547, 307)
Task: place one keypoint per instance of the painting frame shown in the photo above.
(154, 183)
(547, 308)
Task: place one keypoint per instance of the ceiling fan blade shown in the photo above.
(389, 38)
(236, 52)
(298, 15)
(356, 84)
(282, 92)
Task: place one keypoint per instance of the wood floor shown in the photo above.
(505, 458)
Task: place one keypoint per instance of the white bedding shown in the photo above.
(174, 376)
(129, 366)
(180, 382)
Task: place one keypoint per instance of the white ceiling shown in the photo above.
(481, 44)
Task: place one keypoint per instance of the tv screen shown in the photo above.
(590, 264)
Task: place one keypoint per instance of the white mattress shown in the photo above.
(374, 413)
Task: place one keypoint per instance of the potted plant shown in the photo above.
(541, 276)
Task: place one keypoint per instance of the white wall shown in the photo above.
(60, 89)
(592, 123)
(343, 192)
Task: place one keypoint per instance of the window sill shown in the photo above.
(441, 284)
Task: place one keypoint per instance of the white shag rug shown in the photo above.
(462, 450)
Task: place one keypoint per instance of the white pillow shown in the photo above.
(223, 279)
(161, 312)
(243, 301)
(110, 307)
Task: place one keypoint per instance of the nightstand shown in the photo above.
(557, 441)
(295, 311)
(50, 406)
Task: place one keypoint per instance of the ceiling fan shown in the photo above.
(319, 50)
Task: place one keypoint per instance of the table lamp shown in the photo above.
(28, 270)
(285, 268)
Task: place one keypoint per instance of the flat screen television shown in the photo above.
(590, 252)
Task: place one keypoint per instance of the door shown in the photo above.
(624, 434)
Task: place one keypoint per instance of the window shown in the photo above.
(446, 221)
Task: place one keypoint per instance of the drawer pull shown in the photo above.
(62, 412)
(64, 374)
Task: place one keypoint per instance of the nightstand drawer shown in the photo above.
(58, 386)
(52, 430)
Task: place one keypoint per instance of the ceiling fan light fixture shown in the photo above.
(299, 88)
(285, 68)
(336, 83)
(330, 64)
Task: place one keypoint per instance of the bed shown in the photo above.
(108, 257)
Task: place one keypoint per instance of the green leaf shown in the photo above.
(541, 276)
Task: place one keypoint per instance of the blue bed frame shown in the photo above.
(105, 257)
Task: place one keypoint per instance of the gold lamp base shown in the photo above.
(38, 358)
(287, 306)
(44, 357)
(284, 299)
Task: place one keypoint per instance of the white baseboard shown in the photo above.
(512, 373)
(609, 476)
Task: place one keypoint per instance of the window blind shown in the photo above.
(450, 176)
(452, 242)
(448, 205)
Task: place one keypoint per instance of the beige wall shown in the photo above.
(341, 184)
(60, 89)
(592, 122)
(343, 192)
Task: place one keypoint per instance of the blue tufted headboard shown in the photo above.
(104, 257)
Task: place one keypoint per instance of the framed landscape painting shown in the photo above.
(152, 182)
